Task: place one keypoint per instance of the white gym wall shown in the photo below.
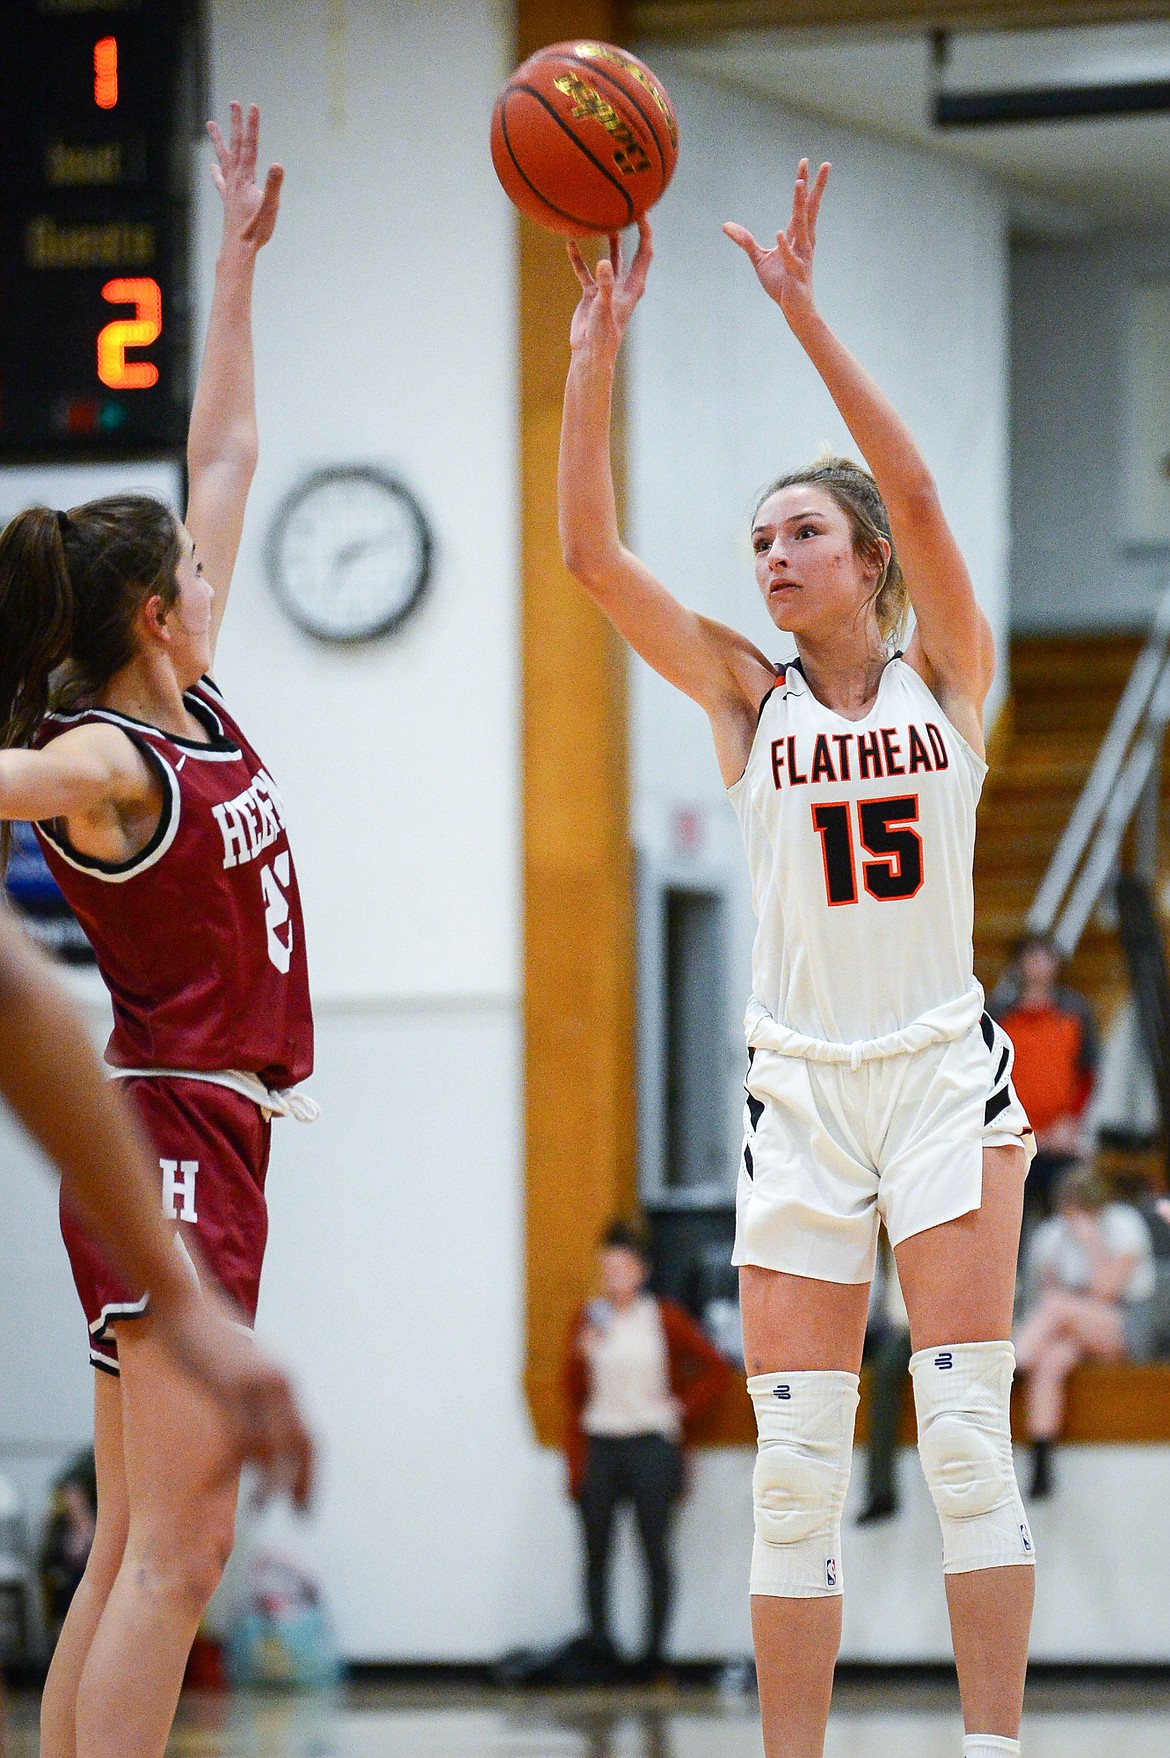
(385, 332)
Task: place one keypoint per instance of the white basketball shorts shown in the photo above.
(829, 1150)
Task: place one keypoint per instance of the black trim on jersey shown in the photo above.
(755, 1111)
(1003, 1062)
(219, 742)
(995, 1105)
(170, 810)
(988, 1029)
(747, 1162)
(104, 1366)
(768, 697)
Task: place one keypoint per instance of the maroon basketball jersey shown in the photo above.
(199, 937)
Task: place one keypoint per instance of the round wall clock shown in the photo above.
(349, 553)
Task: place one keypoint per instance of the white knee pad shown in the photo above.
(805, 1426)
(962, 1394)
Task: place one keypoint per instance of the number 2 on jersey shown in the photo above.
(276, 911)
(884, 832)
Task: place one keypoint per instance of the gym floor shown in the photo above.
(1073, 1718)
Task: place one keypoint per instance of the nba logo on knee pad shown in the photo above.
(781, 1391)
(1026, 1538)
(943, 1360)
(830, 1571)
(179, 1189)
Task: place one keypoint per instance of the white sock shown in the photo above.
(987, 1745)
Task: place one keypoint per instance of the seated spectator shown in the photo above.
(637, 1370)
(1057, 1050)
(1090, 1271)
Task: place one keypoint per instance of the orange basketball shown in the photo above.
(584, 138)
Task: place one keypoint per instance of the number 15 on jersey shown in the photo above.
(883, 831)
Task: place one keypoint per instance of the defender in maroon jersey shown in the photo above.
(167, 835)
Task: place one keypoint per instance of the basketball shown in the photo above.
(584, 138)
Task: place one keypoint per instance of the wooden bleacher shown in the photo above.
(1126, 1405)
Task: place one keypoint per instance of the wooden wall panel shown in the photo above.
(684, 18)
(578, 871)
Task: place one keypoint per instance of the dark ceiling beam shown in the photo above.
(688, 18)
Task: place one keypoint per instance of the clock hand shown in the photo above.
(360, 546)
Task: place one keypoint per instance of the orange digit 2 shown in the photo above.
(138, 331)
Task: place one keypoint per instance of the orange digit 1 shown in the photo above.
(138, 331)
(105, 73)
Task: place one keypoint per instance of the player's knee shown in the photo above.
(962, 1395)
(184, 1566)
(805, 1427)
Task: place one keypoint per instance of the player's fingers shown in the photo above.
(741, 236)
(793, 264)
(580, 267)
(217, 140)
(814, 199)
(604, 278)
(644, 252)
(615, 253)
(217, 178)
(237, 126)
(250, 142)
(798, 228)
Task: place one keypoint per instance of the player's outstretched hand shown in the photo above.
(256, 1397)
(785, 271)
(609, 293)
(249, 212)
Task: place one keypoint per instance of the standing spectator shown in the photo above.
(887, 1355)
(68, 1537)
(1091, 1270)
(1055, 1038)
(637, 1371)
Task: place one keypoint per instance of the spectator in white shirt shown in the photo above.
(1091, 1271)
(638, 1371)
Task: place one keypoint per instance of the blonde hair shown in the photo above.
(856, 493)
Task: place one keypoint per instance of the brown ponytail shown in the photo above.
(70, 588)
(36, 615)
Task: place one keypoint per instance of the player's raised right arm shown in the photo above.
(706, 660)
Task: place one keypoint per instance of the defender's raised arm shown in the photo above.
(222, 444)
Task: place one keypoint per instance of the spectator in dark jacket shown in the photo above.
(1057, 1051)
(637, 1372)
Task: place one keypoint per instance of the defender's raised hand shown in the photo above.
(785, 271)
(248, 211)
(610, 293)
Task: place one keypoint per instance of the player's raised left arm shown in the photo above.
(953, 642)
(223, 443)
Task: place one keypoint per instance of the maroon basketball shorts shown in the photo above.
(212, 1147)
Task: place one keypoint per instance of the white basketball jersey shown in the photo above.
(860, 836)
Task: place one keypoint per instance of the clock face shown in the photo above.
(349, 553)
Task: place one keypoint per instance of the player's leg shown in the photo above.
(181, 1492)
(958, 1280)
(59, 1701)
(802, 1344)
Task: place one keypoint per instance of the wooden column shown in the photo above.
(578, 890)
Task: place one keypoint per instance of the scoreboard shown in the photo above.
(96, 121)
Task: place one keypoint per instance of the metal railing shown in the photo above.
(1124, 783)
